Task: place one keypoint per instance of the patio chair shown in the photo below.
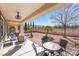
(63, 44)
(17, 34)
(41, 53)
(77, 54)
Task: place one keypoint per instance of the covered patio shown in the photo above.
(15, 41)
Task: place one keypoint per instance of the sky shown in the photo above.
(45, 19)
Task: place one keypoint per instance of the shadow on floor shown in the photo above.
(9, 53)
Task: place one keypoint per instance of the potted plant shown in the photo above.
(47, 29)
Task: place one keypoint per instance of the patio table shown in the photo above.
(51, 47)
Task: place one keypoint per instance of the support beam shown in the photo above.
(49, 7)
(41, 9)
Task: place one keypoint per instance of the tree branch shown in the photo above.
(73, 18)
(58, 20)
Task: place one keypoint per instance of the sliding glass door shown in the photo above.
(2, 26)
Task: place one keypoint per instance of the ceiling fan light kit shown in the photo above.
(18, 16)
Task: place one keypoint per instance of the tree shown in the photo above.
(33, 25)
(47, 29)
(25, 27)
(31, 30)
(28, 26)
(66, 16)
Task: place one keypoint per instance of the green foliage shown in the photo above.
(25, 27)
(48, 29)
(29, 26)
(33, 25)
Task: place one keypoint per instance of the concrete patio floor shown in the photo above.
(26, 46)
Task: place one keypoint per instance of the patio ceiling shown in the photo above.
(9, 9)
(27, 10)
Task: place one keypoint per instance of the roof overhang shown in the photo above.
(45, 9)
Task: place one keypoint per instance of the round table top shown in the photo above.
(51, 46)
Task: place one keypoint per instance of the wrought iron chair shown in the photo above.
(63, 44)
(41, 53)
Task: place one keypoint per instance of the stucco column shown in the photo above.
(22, 29)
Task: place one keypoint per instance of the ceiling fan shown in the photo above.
(18, 15)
